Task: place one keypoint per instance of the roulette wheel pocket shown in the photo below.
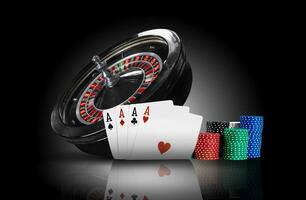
(150, 66)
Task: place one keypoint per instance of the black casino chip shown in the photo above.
(150, 66)
(216, 127)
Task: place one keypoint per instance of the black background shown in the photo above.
(42, 37)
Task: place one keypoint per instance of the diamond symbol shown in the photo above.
(122, 122)
(121, 195)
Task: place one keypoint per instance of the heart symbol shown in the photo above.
(164, 171)
(145, 198)
(145, 119)
(163, 147)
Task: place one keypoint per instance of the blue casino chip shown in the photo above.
(254, 124)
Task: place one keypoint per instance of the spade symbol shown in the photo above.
(110, 126)
(134, 121)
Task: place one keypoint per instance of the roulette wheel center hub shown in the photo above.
(110, 79)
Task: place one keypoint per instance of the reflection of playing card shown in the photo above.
(136, 116)
(111, 130)
(170, 137)
(173, 180)
(125, 186)
(122, 129)
(112, 189)
(167, 180)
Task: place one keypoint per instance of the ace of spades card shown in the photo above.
(111, 130)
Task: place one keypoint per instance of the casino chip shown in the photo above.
(254, 124)
(235, 144)
(216, 126)
(207, 147)
(150, 66)
(234, 124)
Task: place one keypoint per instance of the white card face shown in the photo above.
(111, 130)
(134, 118)
(169, 137)
(158, 180)
(133, 121)
(112, 188)
(136, 115)
(183, 108)
(122, 113)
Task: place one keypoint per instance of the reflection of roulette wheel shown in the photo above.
(150, 66)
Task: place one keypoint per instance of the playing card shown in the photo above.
(172, 111)
(136, 117)
(134, 121)
(167, 137)
(122, 113)
(111, 130)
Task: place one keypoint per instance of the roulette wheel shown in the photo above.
(150, 66)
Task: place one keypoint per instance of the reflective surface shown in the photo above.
(95, 178)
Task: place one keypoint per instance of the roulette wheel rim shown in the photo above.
(171, 79)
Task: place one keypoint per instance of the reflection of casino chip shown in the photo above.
(151, 66)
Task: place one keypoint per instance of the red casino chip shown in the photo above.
(207, 147)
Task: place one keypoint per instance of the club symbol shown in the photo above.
(109, 198)
(134, 196)
(110, 126)
(134, 121)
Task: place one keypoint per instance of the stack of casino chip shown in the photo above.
(216, 127)
(235, 144)
(207, 147)
(255, 126)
